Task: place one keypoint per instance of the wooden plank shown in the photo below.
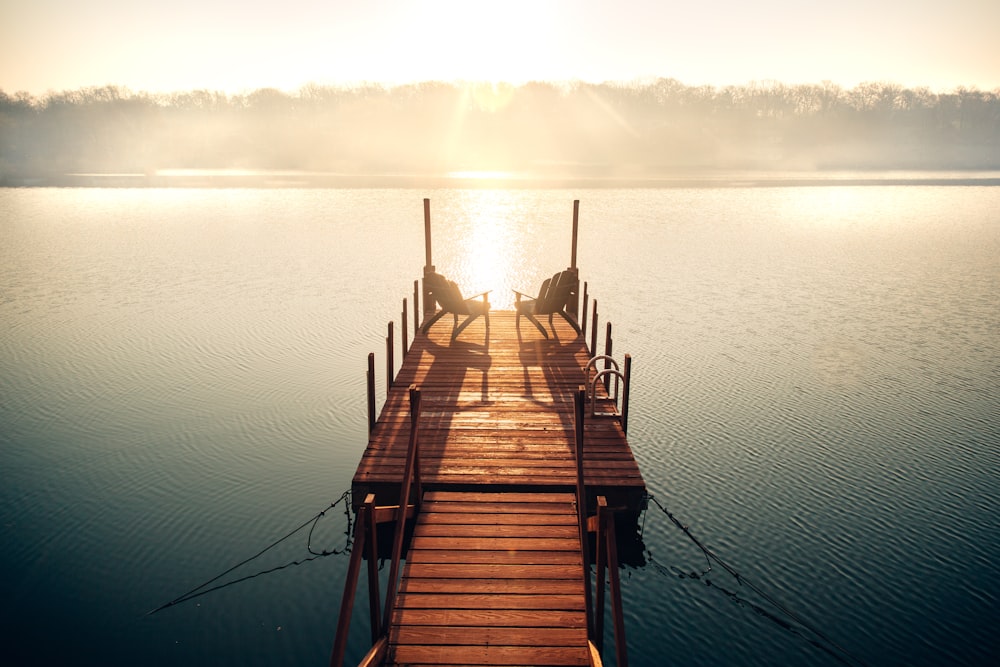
(489, 655)
(490, 571)
(516, 557)
(487, 507)
(490, 618)
(493, 587)
(488, 636)
(482, 601)
(498, 544)
(463, 519)
(494, 530)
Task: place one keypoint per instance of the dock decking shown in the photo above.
(497, 412)
(492, 579)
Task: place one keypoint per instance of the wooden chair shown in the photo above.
(450, 299)
(552, 298)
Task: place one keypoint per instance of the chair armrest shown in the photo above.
(527, 296)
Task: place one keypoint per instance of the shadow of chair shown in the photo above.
(450, 300)
(552, 299)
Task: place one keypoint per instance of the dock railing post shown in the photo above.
(627, 383)
(411, 475)
(350, 588)
(371, 392)
(599, 567)
(416, 308)
(593, 331)
(580, 400)
(404, 331)
(607, 353)
(389, 361)
(374, 611)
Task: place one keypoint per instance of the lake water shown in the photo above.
(816, 393)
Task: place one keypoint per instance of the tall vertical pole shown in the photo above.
(573, 303)
(576, 228)
(427, 233)
(428, 261)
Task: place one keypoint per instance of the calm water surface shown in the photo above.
(816, 393)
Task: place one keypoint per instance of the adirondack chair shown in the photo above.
(450, 299)
(551, 300)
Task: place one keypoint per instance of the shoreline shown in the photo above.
(237, 178)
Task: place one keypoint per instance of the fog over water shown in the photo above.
(612, 131)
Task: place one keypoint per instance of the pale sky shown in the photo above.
(239, 46)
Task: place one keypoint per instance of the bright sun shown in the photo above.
(489, 42)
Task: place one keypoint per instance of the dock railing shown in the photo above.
(366, 544)
(606, 549)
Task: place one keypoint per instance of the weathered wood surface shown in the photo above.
(497, 410)
(492, 579)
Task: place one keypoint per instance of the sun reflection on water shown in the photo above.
(488, 245)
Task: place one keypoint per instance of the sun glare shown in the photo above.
(491, 244)
(487, 42)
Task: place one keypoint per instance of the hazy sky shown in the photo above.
(233, 46)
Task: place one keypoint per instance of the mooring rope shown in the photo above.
(201, 589)
(712, 556)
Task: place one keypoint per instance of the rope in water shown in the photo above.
(201, 589)
(712, 556)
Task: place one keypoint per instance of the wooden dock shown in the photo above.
(497, 412)
(506, 454)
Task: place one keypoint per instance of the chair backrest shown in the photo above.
(446, 293)
(555, 292)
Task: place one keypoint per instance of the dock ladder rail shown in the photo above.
(610, 406)
(365, 536)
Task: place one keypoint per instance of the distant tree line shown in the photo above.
(577, 128)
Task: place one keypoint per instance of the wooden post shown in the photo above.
(371, 392)
(427, 233)
(416, 308)
(576, 227)
(404, 500)
(428, 262)
(404, 331)
(617, 613)
(593, 331)
(583, 324)
(388, 361)
(602, 553)
(580, 400)
(374, 611)
(573, 304)
(628, 381)
(350, 588)
(607, 352)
